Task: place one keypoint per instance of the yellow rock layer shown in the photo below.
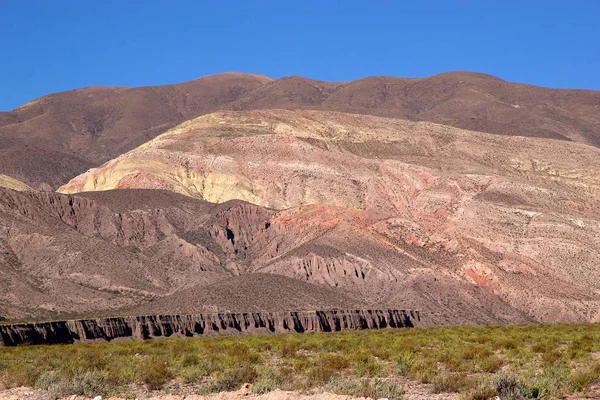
(282, 159)
(11, 183)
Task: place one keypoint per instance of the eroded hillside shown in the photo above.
(469, 226)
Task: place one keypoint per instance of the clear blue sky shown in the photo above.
(48, 46)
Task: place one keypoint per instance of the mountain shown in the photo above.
(54, 138)
(109, 252)
(407, 214)
(72, 131)
(129, 252)
(470, 199)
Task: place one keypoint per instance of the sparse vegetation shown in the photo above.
(268, 380)
(155, 373)
(512, 362)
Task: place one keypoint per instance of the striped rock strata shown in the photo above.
(146, 327)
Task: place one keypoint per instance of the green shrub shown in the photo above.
(363, 387)
(386, 389)
(347, 386)
(47, 379)
(90, 383)
(505, 343)
(551, 358)
(482, 391)
(335, 362)
(507, 386)
(210, 366)
(60, 389)
(20, 374)
(423, 370)
(55, 383)
(450, 383)
(550, 381)
(190, 360)
(366, 365)
(237, 354)
(192, 375)
(582, 378)
(490, 364)
(472, 352)
(320, 374)
(289, 379)
(405, 362)
(301, 363)
(483, 339)
(182, 347)
(267, 381)
(380, 351)
(155, 373)
(583, 344)
(91, 359)
(541, 347)
(288, 348)
(233, 378)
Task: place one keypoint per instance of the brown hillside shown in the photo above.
(86, 127)
(96, 124)
(416, 215)
(135, 251)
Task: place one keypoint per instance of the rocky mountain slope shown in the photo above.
(271, 210)
(142, 252)
(51, 139)
(11, 183)
(392, 211)
(66, 255)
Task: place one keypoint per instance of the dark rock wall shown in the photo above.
(146, 327)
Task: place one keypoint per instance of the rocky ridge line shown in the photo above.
(155, 326)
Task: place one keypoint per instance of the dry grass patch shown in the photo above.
(535, 361)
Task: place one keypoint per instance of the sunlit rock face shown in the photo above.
(14, 184)
(471, 226)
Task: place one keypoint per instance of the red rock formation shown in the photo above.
(146, 327)
(350, 211)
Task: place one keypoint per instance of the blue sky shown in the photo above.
(49, 46)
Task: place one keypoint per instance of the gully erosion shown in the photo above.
(146, 327)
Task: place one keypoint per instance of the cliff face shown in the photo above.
(146, 327)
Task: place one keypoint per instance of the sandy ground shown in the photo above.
(413, 392)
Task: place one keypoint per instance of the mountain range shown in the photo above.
(468, 198)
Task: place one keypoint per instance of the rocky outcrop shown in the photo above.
(146, 327)
(11, 183)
